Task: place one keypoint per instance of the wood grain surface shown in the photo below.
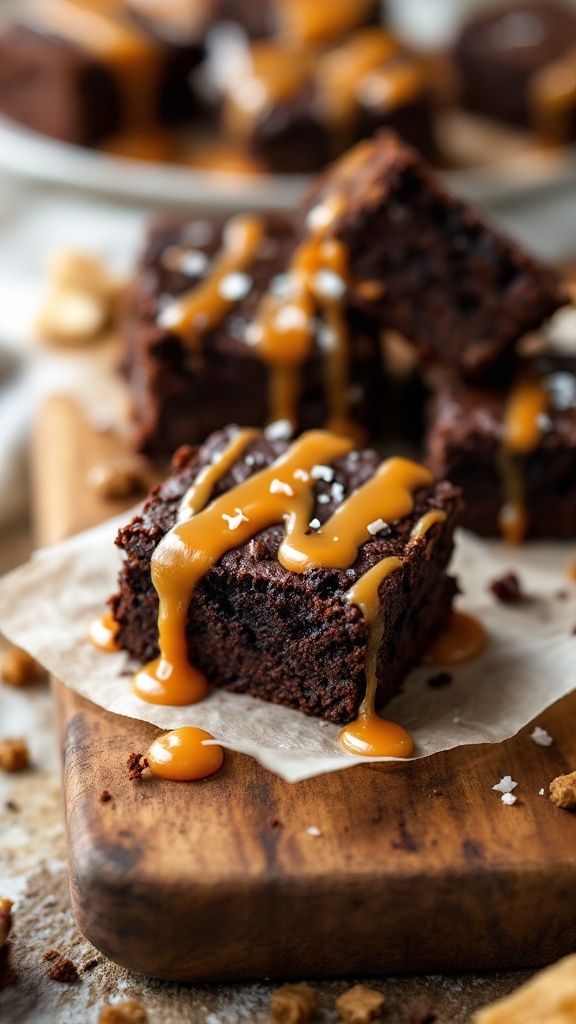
(419, 866)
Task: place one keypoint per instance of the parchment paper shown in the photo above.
(529, 662)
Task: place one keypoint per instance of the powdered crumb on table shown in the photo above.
(128, 1012)
(293, 1004)
(135, 764)
(360, 1004)
(563, 791)
(5, 920)
(14, 756)
(104, 796)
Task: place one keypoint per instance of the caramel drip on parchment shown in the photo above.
(370, 735)
(317, 21)
(552, 98)
(204, 307)
(281, 493)
(462, 639)
(526, 403)
(102, 633)
(102, 29)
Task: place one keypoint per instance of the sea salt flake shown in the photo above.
(235, 521)
(338, 492)
(279, 487)
(506, 785)
(301, 474)
(313, 831)
(541, 737)
(314, 524)
(169, 317)
(544, 422)
(319, 217)
(235, 287)
(192, 262)
(328, 284)
(323, 499)
(325, 473)
(509, 799)
(540, 792)
(561, 387)
(377, 527)
(280, 430)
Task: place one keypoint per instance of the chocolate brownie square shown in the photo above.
(424, 263)
(294, 636)
(185, 383)
(79, 73)
(512, 451)
(510, 59)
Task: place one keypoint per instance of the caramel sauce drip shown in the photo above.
(527, 402)
(281, 493)
(102, 29)
(318, 21)
(102, 633)
(462, 639)
(203, 308)
(369, 66)
(552, 98)
(370, 735)
(184, 755)
(274, 74)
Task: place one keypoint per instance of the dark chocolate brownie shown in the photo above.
(180, 395)
(499, 53)
(319, 109)
(55, 87)
(426, 264)
(465, 439)
(254, 627)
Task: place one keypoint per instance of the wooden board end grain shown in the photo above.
(418, 866)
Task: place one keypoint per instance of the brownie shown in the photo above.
(466, 437)
(292, 638)
(50, 83)
(425, 264)
(309, 110)
(181, 394)
(504, 56)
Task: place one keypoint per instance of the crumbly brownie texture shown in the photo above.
(179, 395)
(499, 51)
(455, 288)
(53, 87)
(254, 627)
(466, 433)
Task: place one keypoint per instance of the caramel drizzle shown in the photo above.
(283, 330)
(283, 492)
(204, 306)
(527, 401)
(316, 21)
(100, 28)
(552, 98)
(370, 734)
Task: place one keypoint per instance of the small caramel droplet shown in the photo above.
(462, 639)
(178, 684)
(102, 633)
(182, 756)
(372, 736)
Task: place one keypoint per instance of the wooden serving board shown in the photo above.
(419, 866)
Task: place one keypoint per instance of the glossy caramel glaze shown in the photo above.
(102, 633)
(552, 98)
(462, 639)
(527, 402)
(183, 755)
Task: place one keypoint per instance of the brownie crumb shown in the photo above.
(11, 805)
(63, 970)
(437, 792)
(507, 589)
(420, 1013)
(293, 1004)
(5, 920)
(90, 964)
(563, 791)
(18, 668)
(275, 823)
(104, 796)
(136, 764)
(14, 755)
(128, 1012)
(360, 1005)
(440, 680)
(51, 954)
